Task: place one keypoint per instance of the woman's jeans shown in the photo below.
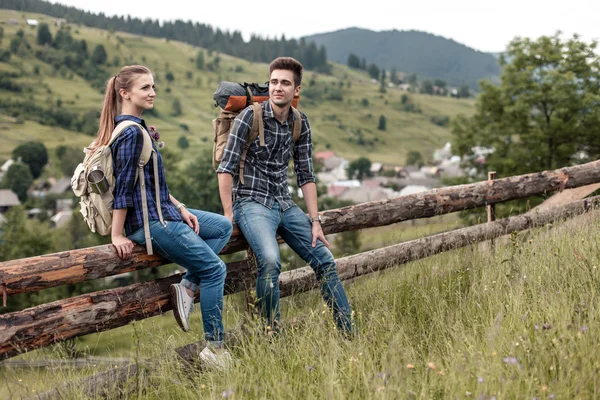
(260, 225)
(179, 243)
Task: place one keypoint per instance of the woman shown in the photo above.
(190, 238)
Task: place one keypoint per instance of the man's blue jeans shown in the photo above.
(259, 224)
(198, 254)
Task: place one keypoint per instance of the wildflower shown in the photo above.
(410, 366)
(480, 379)
(203, 386)
(546, 326)
(584, 328)
(442, 373)
(228, 393)
(155, 135)
(510, 360)
(551, 396)
(310, 368)
(544, 388)
(431, 365)
(468, 394)
(381, 375)
(380, 388)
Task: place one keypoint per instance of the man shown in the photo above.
(262, 206)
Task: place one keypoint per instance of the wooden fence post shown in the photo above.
(491, 208)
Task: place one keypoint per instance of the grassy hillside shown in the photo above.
(336, 105)
(518, 323)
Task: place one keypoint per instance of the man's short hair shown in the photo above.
(289, 64)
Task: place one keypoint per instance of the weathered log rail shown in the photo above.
(64, 319)
(42, 272)
(94, 312)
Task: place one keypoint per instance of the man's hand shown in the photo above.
(229, 216)
(317, 233)
(123, 246)
(190, 219)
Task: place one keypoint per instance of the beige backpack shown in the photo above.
(94, 181)
(222, 127)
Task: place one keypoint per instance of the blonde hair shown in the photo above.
(112, 100)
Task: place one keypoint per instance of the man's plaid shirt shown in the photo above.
(266, 167)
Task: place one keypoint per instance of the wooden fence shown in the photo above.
(50, 323)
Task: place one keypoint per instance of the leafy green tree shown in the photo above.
(200, 60)
(427, 87)
(196, 185)
(169, 76)
(43, 35)
(414, 158)
(394, 77)
(464, 92)
(359, 168)
(440, 83)
(20, 242)
(373, 71)
(544, 114)
(353, 61)
(183, 143)
(69, 158)
(382, 126)
(177, 111)
(99, 55)
(34, 154)
(382, 82)
(18, 179)
(1, 34)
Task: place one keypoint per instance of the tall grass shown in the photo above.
(515, 323)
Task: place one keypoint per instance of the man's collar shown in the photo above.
(268, 111)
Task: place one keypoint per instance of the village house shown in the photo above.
(8, 199)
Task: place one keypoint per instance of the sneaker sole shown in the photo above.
(176, 299)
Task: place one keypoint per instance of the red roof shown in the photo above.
(335, 191)
(324, 155)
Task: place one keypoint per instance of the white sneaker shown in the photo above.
(182, 305)
(219, 359)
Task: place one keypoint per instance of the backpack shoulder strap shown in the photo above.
(147, 147)
(257, 130)
(296, 125)
(120, 127)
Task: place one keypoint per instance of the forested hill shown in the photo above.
(411, 52)
(202, 35)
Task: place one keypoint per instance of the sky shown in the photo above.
(481, 24)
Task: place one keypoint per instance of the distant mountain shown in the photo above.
(411, 51)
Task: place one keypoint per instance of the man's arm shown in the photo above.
(303, 165)
(309, 192)
(306, 178)
(225, 184)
